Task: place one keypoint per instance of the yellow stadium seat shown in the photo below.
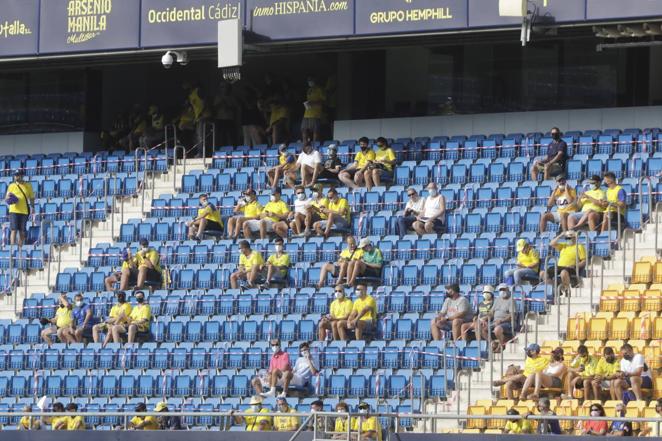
(570, 347)
(620, 328)
(616, 287)
(594, 347)
(657, 386)
(642, 327)
(638, 345)
(470, 431)
(631, 300)
(609, 300)
(577, 327)
(635, 409)
(476, 423)
(485, 403)
(499, 423)
(653, 357)
(627, 314)
(642, 272)
(657, 328)
(598, 328)
(652, 300)
(605, 315)
(561, 411)
(657, 272)
(493, 431)
(524, 406)
(615, 345)
(637, 287)
(505, 403)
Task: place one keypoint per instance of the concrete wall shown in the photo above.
(34, 143)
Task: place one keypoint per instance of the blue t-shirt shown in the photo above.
(554, 148)
(624, 426)
(79, 315)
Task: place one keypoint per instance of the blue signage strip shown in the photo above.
(170, 23)
(89, 25)
(19, 27)
(615, 9)
(405, 16)
(485, 13)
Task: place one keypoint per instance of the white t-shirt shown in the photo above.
(415, 206)
(432, 206)
(302, 369)
(300, 206)
(632, 365)
(311, 160)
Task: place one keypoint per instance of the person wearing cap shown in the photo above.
(83, 319)
(272, 218)
(554, 163)
(534, 363)
(337, 212)
(119, 314)
(208, 219)
(455, 312)
(255, 422)
(479, 324)
(363, 318)
(279, 373)
(27, 422)
(278, 264)
(60, 325)
(309, 164)
(143, 423)
(368, 265)
(369, 425)
(564, 198)
(413, 209)
(571, 257)
(547, 426)
(20, 198)
(286, 167)
(382, 166)
(620, 428)
(615, 206)
(251, 265)
(167, 422)
(340, 268)
(501, 315)
(517, 426)
(127, 275)
(247, 208)
(592, 203)
(138, 321)
(148, 261)
(528, 264)
(332, 165)
(285, 423)
(580, 373)
(315, 210)
(432, 218)
(353, 175)
(550, 377)
(336, 321)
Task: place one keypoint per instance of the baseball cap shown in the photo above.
(521, 244)
(533, 347)
(160, 406)
(255, 399)
(560, 178)
(364, 242)
(502, 286)
(332, 147)
(363, 405)
(488, 288)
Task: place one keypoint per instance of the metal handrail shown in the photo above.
(207, 125)
(174, 165)
(140, 182)
(467, 373)
(641, 199)
(174, 136)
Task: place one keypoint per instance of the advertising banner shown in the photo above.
(19, 27)
(170, 23)
(485, 13)
(614, 9)
(89, 25)
(398, 16)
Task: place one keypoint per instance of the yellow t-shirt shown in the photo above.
(340, 205)
(282, 158)
(63, 317)
(280, 208)
(612, 197)
(533, 365)
(151, 423)
(324, 202)
(362, 159)
(20, 207)
(341, 310)
(568, 253)
(530, 258)
(124, 307)
(252, 210)
(384, 155)
(253, 422)
(367, 425)
(76, 423)
(25, 423)
(315, 93)
(141, 312)
(211, 213)
(152, 255)
(278, 112)
(361, 304)
(520, 426)
(562, 199)
(249, 262)
(283, 260)
(128, 264)
(605, 369)
(55, 421)
(598, 194)
(286, 423)
(341, 424)
(197, 103)
(347, 254)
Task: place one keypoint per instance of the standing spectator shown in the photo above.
(208, 219)
(251, 264)
(528, 265)
(20, 199)
(167, 422)
(517, 426)
(605, 371)
(593, 427)
(571, 257)
(247, 208)
(549, 377)
(634, 373)
(547, 426)
(455, 312)
(285, 423)
(382, 166)
(591, 203)
(337, 214)
(479, 324)
(252, 120)
(153, 133)
(433, 216)
(272, 218)
(279, 118)
(353, 175)
(139, 320)
(368, 424)
(554, 163)
(652, 428)
(312, 116)
(368, 265)
(148, 261)
(580, 373)
(278, 264)
(341, 267)
(297, 217)
(143, 423)
(332, 165)
(279, 373)
(285, 169)
(128, 274)
(363, 318)
(309, 163)
(28, 422)
(336, 322)
(254, 423)
(533, 365)
(413, 210)
(620, 428)
(61, 324)
(315, 212)
(225, 114)
(564, 197)
(83, 319)
(74, 422)
(119, 315)
(615, 204)
(502, 314)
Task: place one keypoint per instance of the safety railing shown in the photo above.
(174, 165)
(207, 129)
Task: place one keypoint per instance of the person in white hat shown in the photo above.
(479, 323)
(528, 264)
(254, 423)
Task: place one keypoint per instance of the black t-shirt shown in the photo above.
(332, 163)
(556, 147)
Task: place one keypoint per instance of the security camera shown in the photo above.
(167, 60)
(182, 58)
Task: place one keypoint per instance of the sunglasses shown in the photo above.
(411, 194)
(300, 192)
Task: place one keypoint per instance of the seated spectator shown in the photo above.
(332, 165)
(593, 427)
(251, 264)
(533, 364)
(605, 371)
(369, 264)
(455, 312)
(547, 426)
(74, 422)
(127, 276)
(354, 174)
(551, 376)
(336, 322)
(340, 429)
(620, 428)
(148, 261)
(528, 265)
(554, 163)
(591, 205)
(413, 210)
(517, 426)
(513, 379)
(28, 422)
(278, 264)
(208, 219)
(433, 217)
(247, 208)
(340, 268)
(286, 167)
(59, 422)
(254, 423)
(615, 205)
(580, 373)
(315, 209)
(119, 315)
(502, 315)
(337, 214)
(382, 166)
(297, 218)
(138, 321)
(285, 423)
(272, 218)
(309, 164)
(323, 424)
(363, 319)
(564, 197)
(83, 319)
(571, 257)
(143, 423)
(278, 375)
(371, 428)
(479, 323)
(653, 428)
(304, 369)
(634, 372)
(167, 422)
(60, 325)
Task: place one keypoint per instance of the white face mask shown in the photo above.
(204, 203)
(275, 349)
(316, 194)
(255, 408)
(279, 248)
(305, 353)
(339, 295)
(79, 303)
(595, 186)
(432, 192)
(595, 413)
(145, 249)
(364, 411)
(504, 294)
(301, 196)
(562, 187)
(272, 198)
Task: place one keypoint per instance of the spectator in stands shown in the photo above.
(341, 267)
(83, 319)
(580, 373)
(278, 264)
(413, 209)
(59, 422)
(369, 424)
(479, 324)
(148, 261)
(251, 264)
(615, 205)
(547, 426)
(550, 377)
(620, 428)
(285, 169)
(652, 428)
(279, 373)
(368, 265)
(502, 315)
(312, 116)
(554, 163)
(127, 276)
(324, 425)
(153, 133)
(119, 315)
(297, 218)
(572, 256)
(353, 175)
(272, 218)
(528, 265)
(143, 423)
(605, 371)
(564, 197)
(534, 364)
(335, 323)
(340, 428)
(285, 423)
(247, 208)
(593, 427)
(455, 312)
(208, 219)
(634, 372)
(309, 164)
(315, 211)
(382, 166)
(337, 214)
(517, 426)
(28, 422)
(332, 164)
(138, 321)
(20, 199)
(61, 324)
(513, 379)
(363, 319)
(254, 423)
(74, 422)
(304, 369)
(591, 204)
(433, 216)
(167, 422)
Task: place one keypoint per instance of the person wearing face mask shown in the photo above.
(127, 275)
(620, 428)
(551, 377)
(148, 261)
(316, 210)
(278, 375)
(534, 364)
(254, 423)
(337, 212)
(593, 427)
(363, 318)
(285, 423)
(580, 374)
(312, 115)
(382, 166)
(604, 372)
(304, 369)
(332, 164)
(433, 216)
(247, 208)
(324, 425)
(309, 163)
(251, 265)
(83, 319)
(455, 312)
(369, 425)
(564, 198)
(633, 372)
(119, 315)
(572, 256)
(139, 320)
(286, 166)
(615, 206)
(336, 321)
(479, 324)
(340, 424)
(591, 203)
(352, 176)
(340, 268)
(547, 426)
(278, 264)
(208, 219)
(20, 198)
(297, 218)
(368, 266)
(60, 325)
(413, 209)
(554, 163)
(501, 315)
(272, 218)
